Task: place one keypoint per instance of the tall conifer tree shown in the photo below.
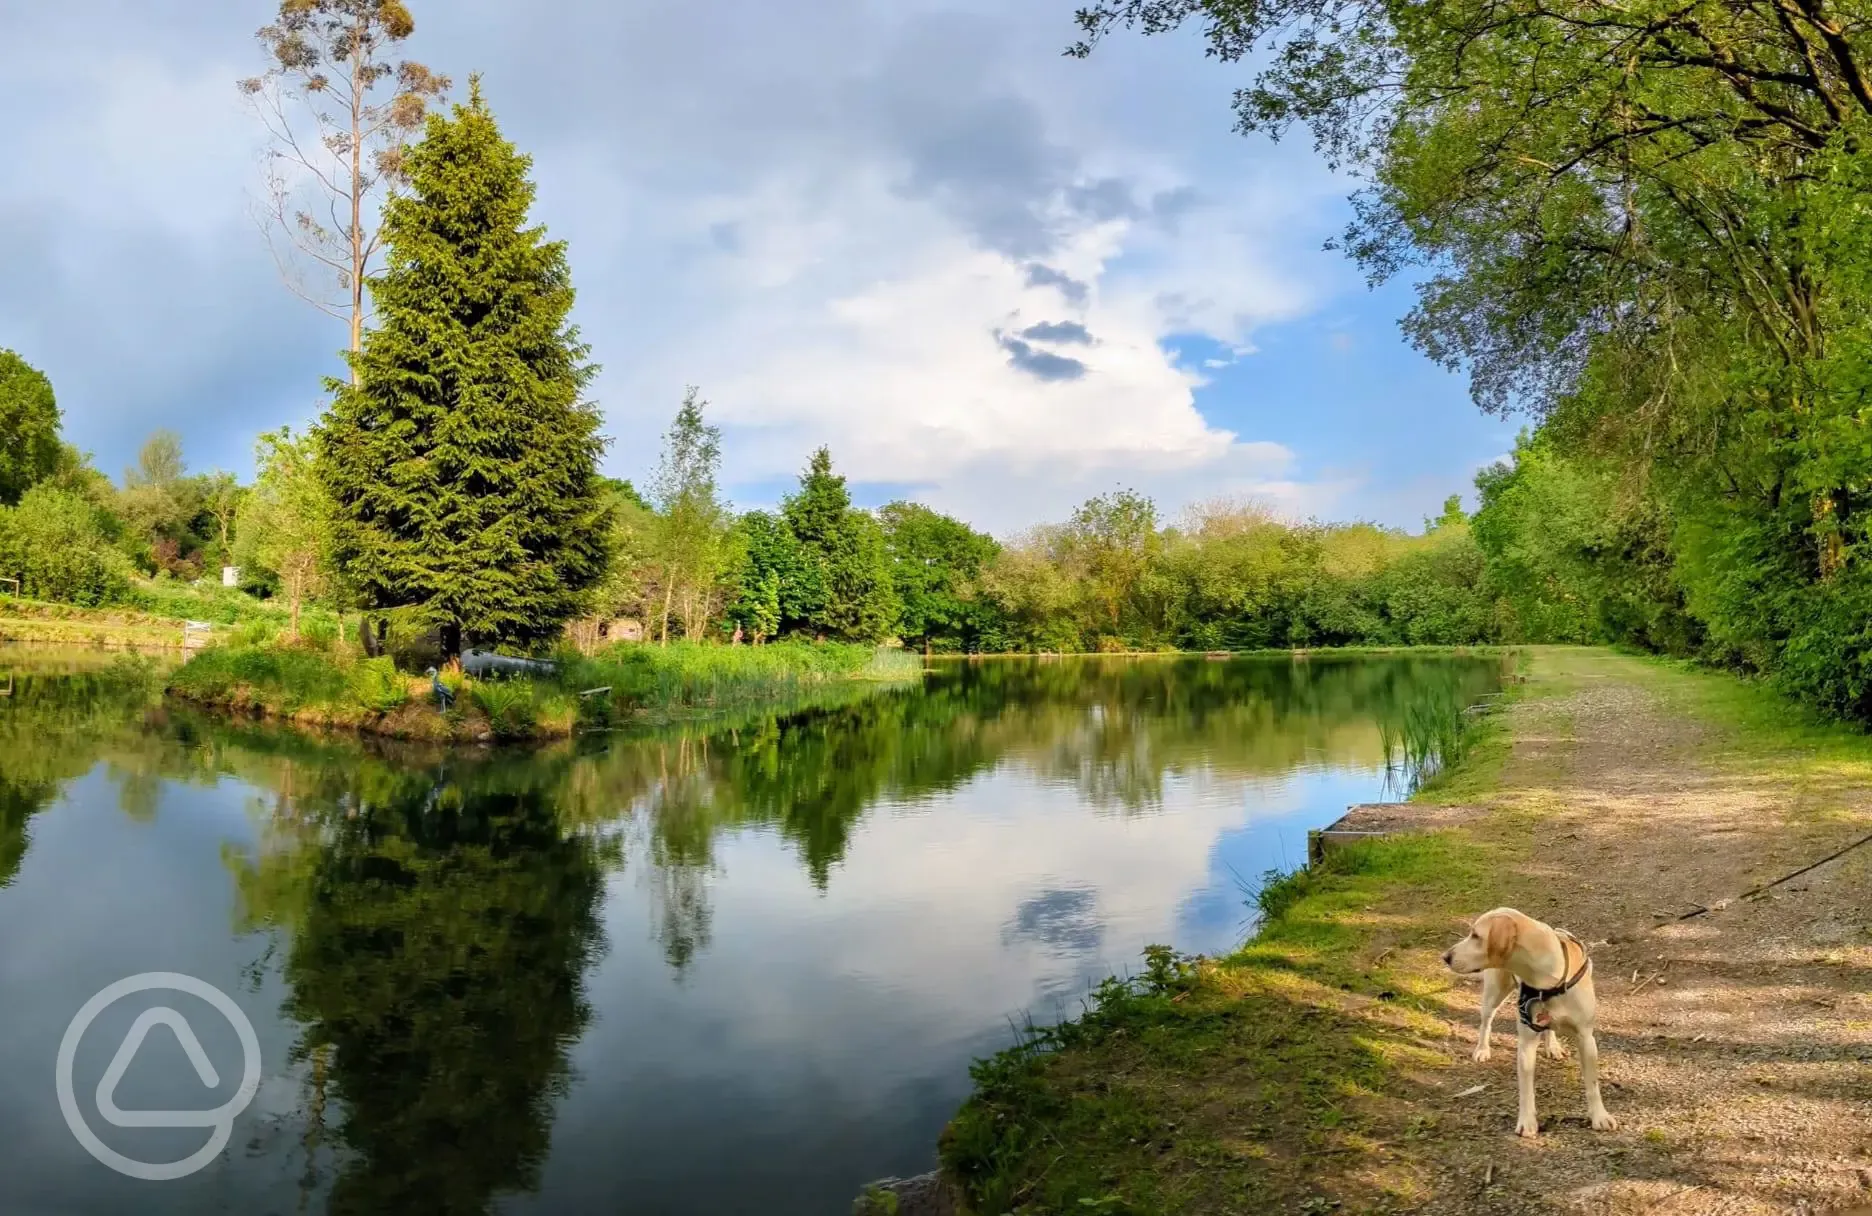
(844, 548)
(463, 463)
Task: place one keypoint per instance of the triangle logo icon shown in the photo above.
(148, 1020)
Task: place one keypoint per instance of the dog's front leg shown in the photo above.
(1596, 1112)
(1495, 985)
(1527, 1043)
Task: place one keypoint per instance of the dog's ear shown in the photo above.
(1498, 937)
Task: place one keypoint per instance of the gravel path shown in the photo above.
(1736, 1045)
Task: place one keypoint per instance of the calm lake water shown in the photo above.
(724, 969)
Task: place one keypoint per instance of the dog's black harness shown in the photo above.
(1531, 996)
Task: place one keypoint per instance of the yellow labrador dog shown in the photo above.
(1555, 993)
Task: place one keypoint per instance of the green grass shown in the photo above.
(216, 604)
(282, 680)
(151, 616)
(686, 675)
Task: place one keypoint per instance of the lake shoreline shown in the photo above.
(1326, 1065)
(327, 685)
(415, 717)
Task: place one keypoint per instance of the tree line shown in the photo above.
(683, 563)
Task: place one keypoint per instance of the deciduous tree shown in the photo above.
(692, 521)
(935, 561)
(339, 113)
(29, 427)
(285, 524)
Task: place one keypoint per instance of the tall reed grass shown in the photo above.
(689, 675)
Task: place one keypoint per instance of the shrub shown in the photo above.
(54, 545)
(376, 685)
(508, 705)
(318, 632)
(257, 632)
(283, 678)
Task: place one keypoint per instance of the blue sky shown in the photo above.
(983, 273)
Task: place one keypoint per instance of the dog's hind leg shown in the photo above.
(1496, 985)
(1551, 1044)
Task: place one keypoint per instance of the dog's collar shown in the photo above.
(1532, 996)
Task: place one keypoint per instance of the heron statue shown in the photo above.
(444, 695)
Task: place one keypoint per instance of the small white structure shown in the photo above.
(230, 576)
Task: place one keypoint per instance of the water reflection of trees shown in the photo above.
(438, 914)
(57, 716)
(440, 929)
(1114, 730)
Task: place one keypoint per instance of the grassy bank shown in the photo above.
(1324, 1066)
(149, 618)
(321, 683)
(1350, 652)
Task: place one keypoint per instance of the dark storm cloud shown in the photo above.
(1058, 331)
(1039, 275)
(1040, 364)
(967, 142)
(130, 271)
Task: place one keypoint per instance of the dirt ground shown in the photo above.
(1736, 1045)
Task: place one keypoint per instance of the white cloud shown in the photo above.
(879, 324)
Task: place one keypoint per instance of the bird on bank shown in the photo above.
(444, 695)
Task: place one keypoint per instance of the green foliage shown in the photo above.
(285, 524)
(508, 705)
(695, 675)
(690, 528)
(376, 685)
(1233, 576)
(777, 587)
(53, 543)
(29, 427)
(462, 465)
(935, 562)
(282, 679)
(319, 634)
(1107, 546)
(820, 568)
(844, 582)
